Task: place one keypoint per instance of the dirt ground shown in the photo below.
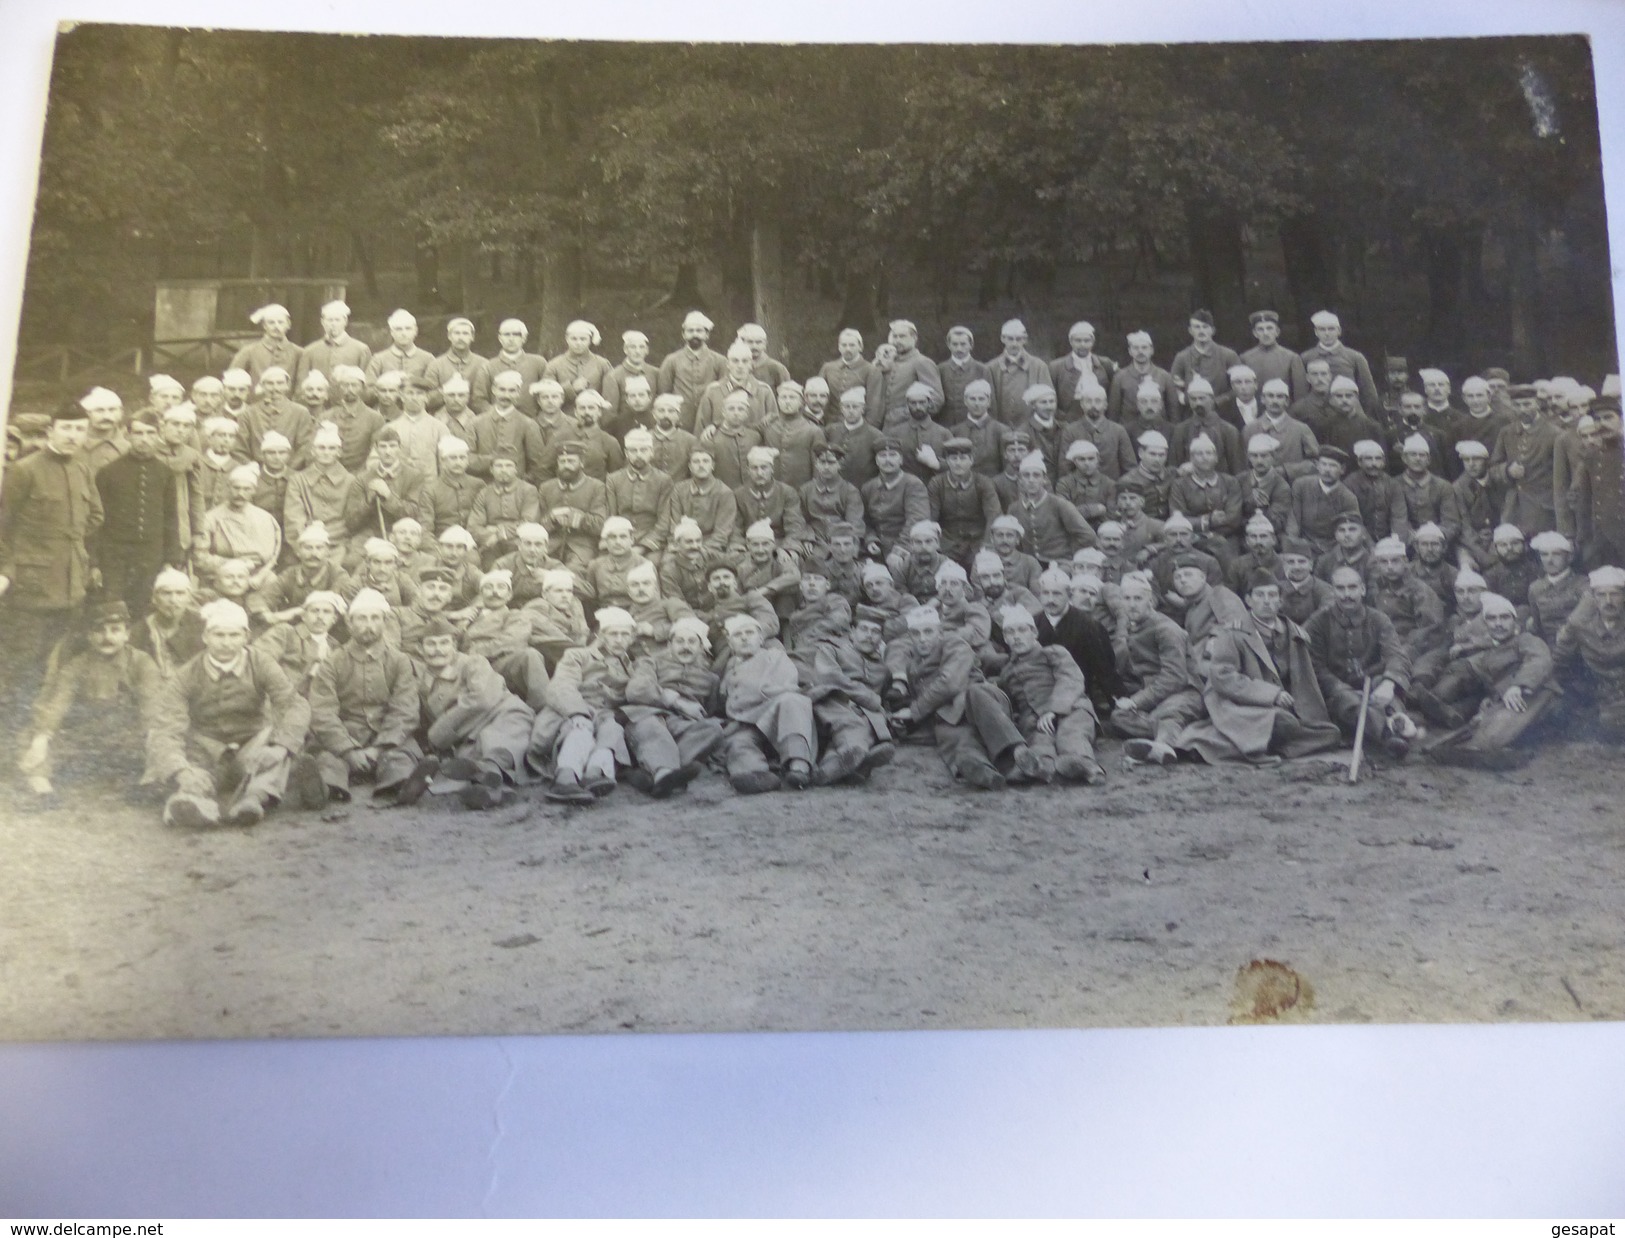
(1419, 894)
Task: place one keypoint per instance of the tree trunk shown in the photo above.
(1443, 262)
(1304, 246)
(561, 294)
(767, 282)
(1524, 300)
(738, 280)
(685, 289)
(363, 257)
(1219, 264)
(426, 266)
(858, 300)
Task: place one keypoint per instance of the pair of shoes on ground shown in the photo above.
(1148, 752)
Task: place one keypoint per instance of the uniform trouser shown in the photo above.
(668, 741)
(502, 742)
(128, 573)
(1071, 749)
(263, 787)
(391, 769)
(1601, 550)
(1495, 726)
(1343, 705)
(986, 735)
(26, 639)
(1163, 723)
(588, 745)
(787, 731)
(1430, 663)
(525, 673)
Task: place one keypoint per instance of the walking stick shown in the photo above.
(1359, 731)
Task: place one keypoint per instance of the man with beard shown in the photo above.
(274, 411)
(1049, 703)
(1320, 499)
(668, 728)
(640, 492)
(762, 498)
(455, 415)
(501, 506)
(1265, 490)
(1203, 421)
(226, 729)
(1262, 698)
(1343, 424)
(364, 710)
(1522, 461)
(461, 360)
(1124, 395)
(104, 696)
(1415, 610)
(140, 530)
(691, 369)
(1513, 568)
(1092, 425)
(172, 632)
(1296, 447)
(671, 446)
(573, 508)
(1353, 644)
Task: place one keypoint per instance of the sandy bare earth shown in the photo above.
(1419, 894)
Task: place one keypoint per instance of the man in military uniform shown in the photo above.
(1353, 645)
(50, 513)
(1260, 691)
(936, 682)
(1159, 698)
(1081, 361)
(689, 370)
(1492, 695)
(336, 347)
(1522, 460)
(140, 532)
(1049, 702)
(274, 349)
(1344, 361)
(403, 355)
(226, 730)
(1204, 359)
(1593, 639)
(1270, 359)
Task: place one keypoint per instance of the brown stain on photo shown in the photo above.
(1267, 991)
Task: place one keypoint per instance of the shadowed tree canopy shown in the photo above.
(721, 175)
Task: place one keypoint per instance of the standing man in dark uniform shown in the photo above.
(49, 508)
(140, 531)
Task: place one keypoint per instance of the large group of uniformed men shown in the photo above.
(331, 567)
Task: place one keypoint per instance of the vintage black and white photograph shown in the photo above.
(512, 536)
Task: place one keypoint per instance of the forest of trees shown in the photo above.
(1459, 178)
